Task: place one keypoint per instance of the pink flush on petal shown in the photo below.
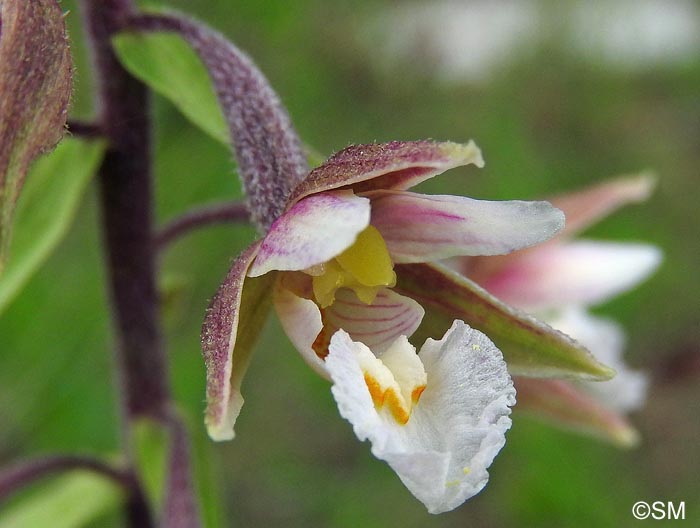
(313, 231)
(574, 273)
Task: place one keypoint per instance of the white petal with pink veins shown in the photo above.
(424, 228)
(376, 325)
(314, 230)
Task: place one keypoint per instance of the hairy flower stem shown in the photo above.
(84, 129)
(203, 216)
(125, 195)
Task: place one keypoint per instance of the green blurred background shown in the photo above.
(549, 118)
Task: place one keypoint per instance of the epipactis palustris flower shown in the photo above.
(348, 258)
(558, 281)
(331, 260)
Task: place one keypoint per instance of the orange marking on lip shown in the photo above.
(416, 394)
(375, 390)
(396, 407)
(389, 397)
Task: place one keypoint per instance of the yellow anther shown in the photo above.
(326, 284)
(368, 260)
(364, 267)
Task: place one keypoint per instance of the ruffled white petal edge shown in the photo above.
(572, 273)
(456, 428)
(425, 228)
(627, 391)
(314, 230)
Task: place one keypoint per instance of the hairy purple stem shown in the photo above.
(125, 195)
(201, 217)
(84, 129)
(126, 203)
(180, 509)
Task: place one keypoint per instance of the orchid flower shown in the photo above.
(557, 281)
(330, 263)
(348, 256)
(338, 246)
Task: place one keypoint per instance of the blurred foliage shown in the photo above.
(46, 209)
(547, 124)
(72, 499)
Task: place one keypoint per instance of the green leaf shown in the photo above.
(167, 64)
(69, 501)
(35, 87)
(46, 209)
(530, 347)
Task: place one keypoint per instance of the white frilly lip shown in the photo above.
(456, 428)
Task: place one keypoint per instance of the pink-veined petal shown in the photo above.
(376, 325)
(573, 273)
(456, 428)
(313, 231)
(230, 329)
(562, 403)
(424, 228)
(395, 165)
(587, 206)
